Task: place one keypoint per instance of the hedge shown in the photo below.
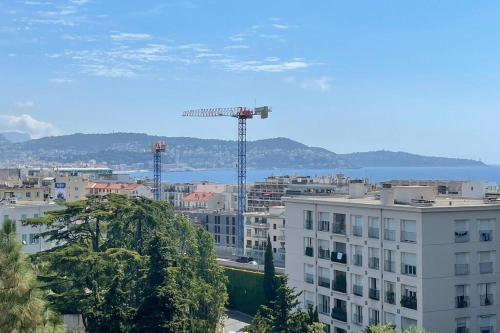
(245, 290)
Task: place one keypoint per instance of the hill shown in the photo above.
(132, 151)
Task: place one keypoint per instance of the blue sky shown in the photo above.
(417, 76)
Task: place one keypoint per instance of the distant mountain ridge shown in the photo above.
(132, 150)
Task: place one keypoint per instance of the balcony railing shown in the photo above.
(357, 230)
(339, 257)
(408, 269)
(374, 263)
(357, 259)
(323, 253)
(462, 302)
(408, 236)
(462, 330)
(390, 234)
(485, 267)
(338, 228)
(374, 232)
(309, 251)
(390, 297)
(373, 321)
(461, 269)
(340, 285)
(357, 290)
(323, 282)
(308, 224)
(339, 314)
(485, 235)
(309, 278)
(374, 294)
(486, 299)
(390, 266)
(324, 226)
(409, 302)
(461, 236)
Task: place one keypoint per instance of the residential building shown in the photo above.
(21, 192)
(129, 190)
(404, 256)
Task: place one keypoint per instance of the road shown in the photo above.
(236, 321)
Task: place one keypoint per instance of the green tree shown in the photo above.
(282, 315)
(269, 274)
(391, 329)
(23, 307)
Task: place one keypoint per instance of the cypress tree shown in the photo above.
(269, 274)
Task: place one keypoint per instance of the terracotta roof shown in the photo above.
(199, 196)
(113, 186)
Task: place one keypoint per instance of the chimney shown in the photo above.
(357, 189)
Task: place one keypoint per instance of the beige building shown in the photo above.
(129, 190)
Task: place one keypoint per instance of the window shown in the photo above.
(408, 263)
(339, 253)
(339, 281)
(390, 292)
(390, 226)
(461, 263)
(486, 230)
(486, 260)
(357, 255)
(409, 297)
(461, 231)
(249, 232)
(373, 317)
(308, 299)
(5, 217)
(407, 323)
(373, 258)
(486, 323)
(486, 292)
(357, 284)
(323, 249)
(357, 225)
(389, 318)
(274, 238)
(309, 273)
(34, 239)
(408, 231)
(338, 226)
(389, 261)
(36, 215)
(373, 291)
(308, 246)
(374, 227)
(24, 239)
(323, 304)
(462, 325)
(324, 277)
(324, 221)
(308, 219)
(339, 311)
(462, 296)
(357, 314)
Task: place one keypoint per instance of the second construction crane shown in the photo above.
(242, 114)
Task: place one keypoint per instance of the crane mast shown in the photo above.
(242, 114)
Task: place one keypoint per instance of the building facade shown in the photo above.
(404, 257)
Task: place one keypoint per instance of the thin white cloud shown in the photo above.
(123, 36)
(280, 26)
(60, 80)
(321, 84)
(236, 47)
(237, 37)
(27, 124)
(259, 66)
(24, 104)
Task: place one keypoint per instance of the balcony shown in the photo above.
(374, 294)
(309, 251)
(485, 267)
(408, 269)
(390, 234)
(308, 224)
(461, 236)
(339, 314)
(462, 330)
(340, 285)
(309, 278)
(339, 257)
(409, 302)
(408, 236)
(390, 297)
(338, 228)
(373, 263)
(357, 230)
(390, 266)
(486, 299)
(462, 302)
(485, 235)
(357, 318)
(323, 253)
(324, 226)
(357, 290)
(323, 282)
(374, 233)
(357, 260)
(462, 269)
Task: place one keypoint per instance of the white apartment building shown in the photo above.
(404, 257)
(21, 210)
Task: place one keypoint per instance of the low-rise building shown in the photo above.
(204, 200)
(129, 190)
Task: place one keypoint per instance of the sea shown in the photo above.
(373, 174)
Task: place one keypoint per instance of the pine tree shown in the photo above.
(22, 304)
(269, 274)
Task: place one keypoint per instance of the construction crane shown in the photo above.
(157, 148)
(242, 114)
